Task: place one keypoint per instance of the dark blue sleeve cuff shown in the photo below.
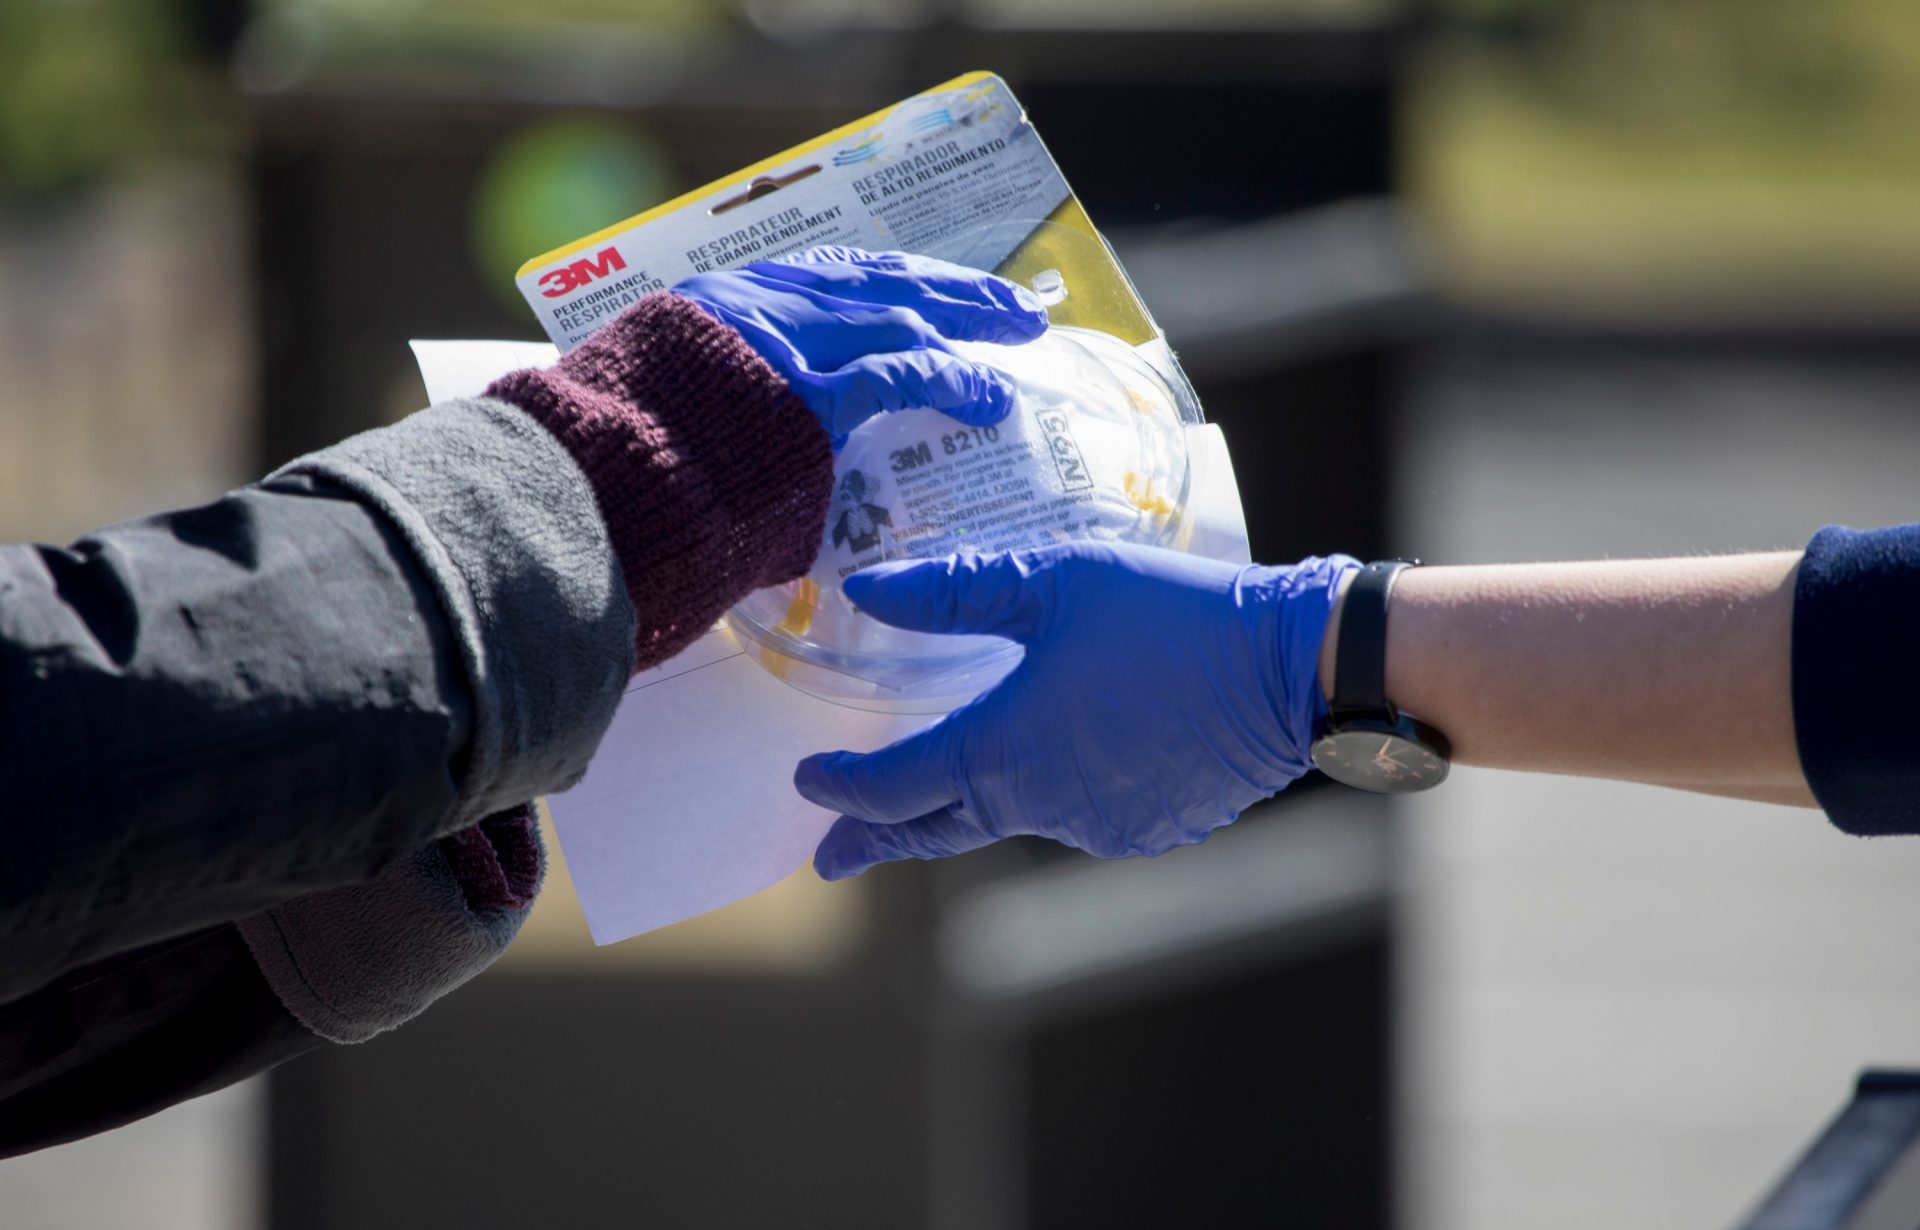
(1856, 669)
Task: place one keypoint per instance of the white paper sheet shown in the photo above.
(689, 803)
(465, 369)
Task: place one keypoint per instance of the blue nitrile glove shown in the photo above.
(1161, 694)
(854, 333)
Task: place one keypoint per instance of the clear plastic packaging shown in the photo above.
(1095, 447)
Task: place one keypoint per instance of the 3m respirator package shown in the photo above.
(1094, 448)
(689, 803)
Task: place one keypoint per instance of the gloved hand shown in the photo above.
(854, 333)
(1161, 694)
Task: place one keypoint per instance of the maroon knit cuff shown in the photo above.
(712, 476)
(497, 861)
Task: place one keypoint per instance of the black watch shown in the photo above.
(1366, 742)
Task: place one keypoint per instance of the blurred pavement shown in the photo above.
(1623, 1006)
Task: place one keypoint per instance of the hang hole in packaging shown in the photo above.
(762, 186)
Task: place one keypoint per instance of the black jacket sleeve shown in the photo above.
(117, 1040)
(265, 763)
(173, 745)
(1856, 668)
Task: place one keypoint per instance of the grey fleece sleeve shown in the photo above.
(506, 528)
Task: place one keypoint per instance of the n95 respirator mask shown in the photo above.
(1094, 448)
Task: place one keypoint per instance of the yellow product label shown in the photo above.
(1098, 294)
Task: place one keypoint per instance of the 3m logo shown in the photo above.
(569, 278)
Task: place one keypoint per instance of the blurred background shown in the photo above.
(1473, 280)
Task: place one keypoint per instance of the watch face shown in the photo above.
(1372, 756)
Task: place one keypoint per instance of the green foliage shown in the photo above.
(1672, 156)
(89, 86)
(1788, 63)
(483, 19)
(556, 180)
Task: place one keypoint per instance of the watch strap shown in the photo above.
(1360, 661)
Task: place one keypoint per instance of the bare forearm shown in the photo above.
(1674, 672)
